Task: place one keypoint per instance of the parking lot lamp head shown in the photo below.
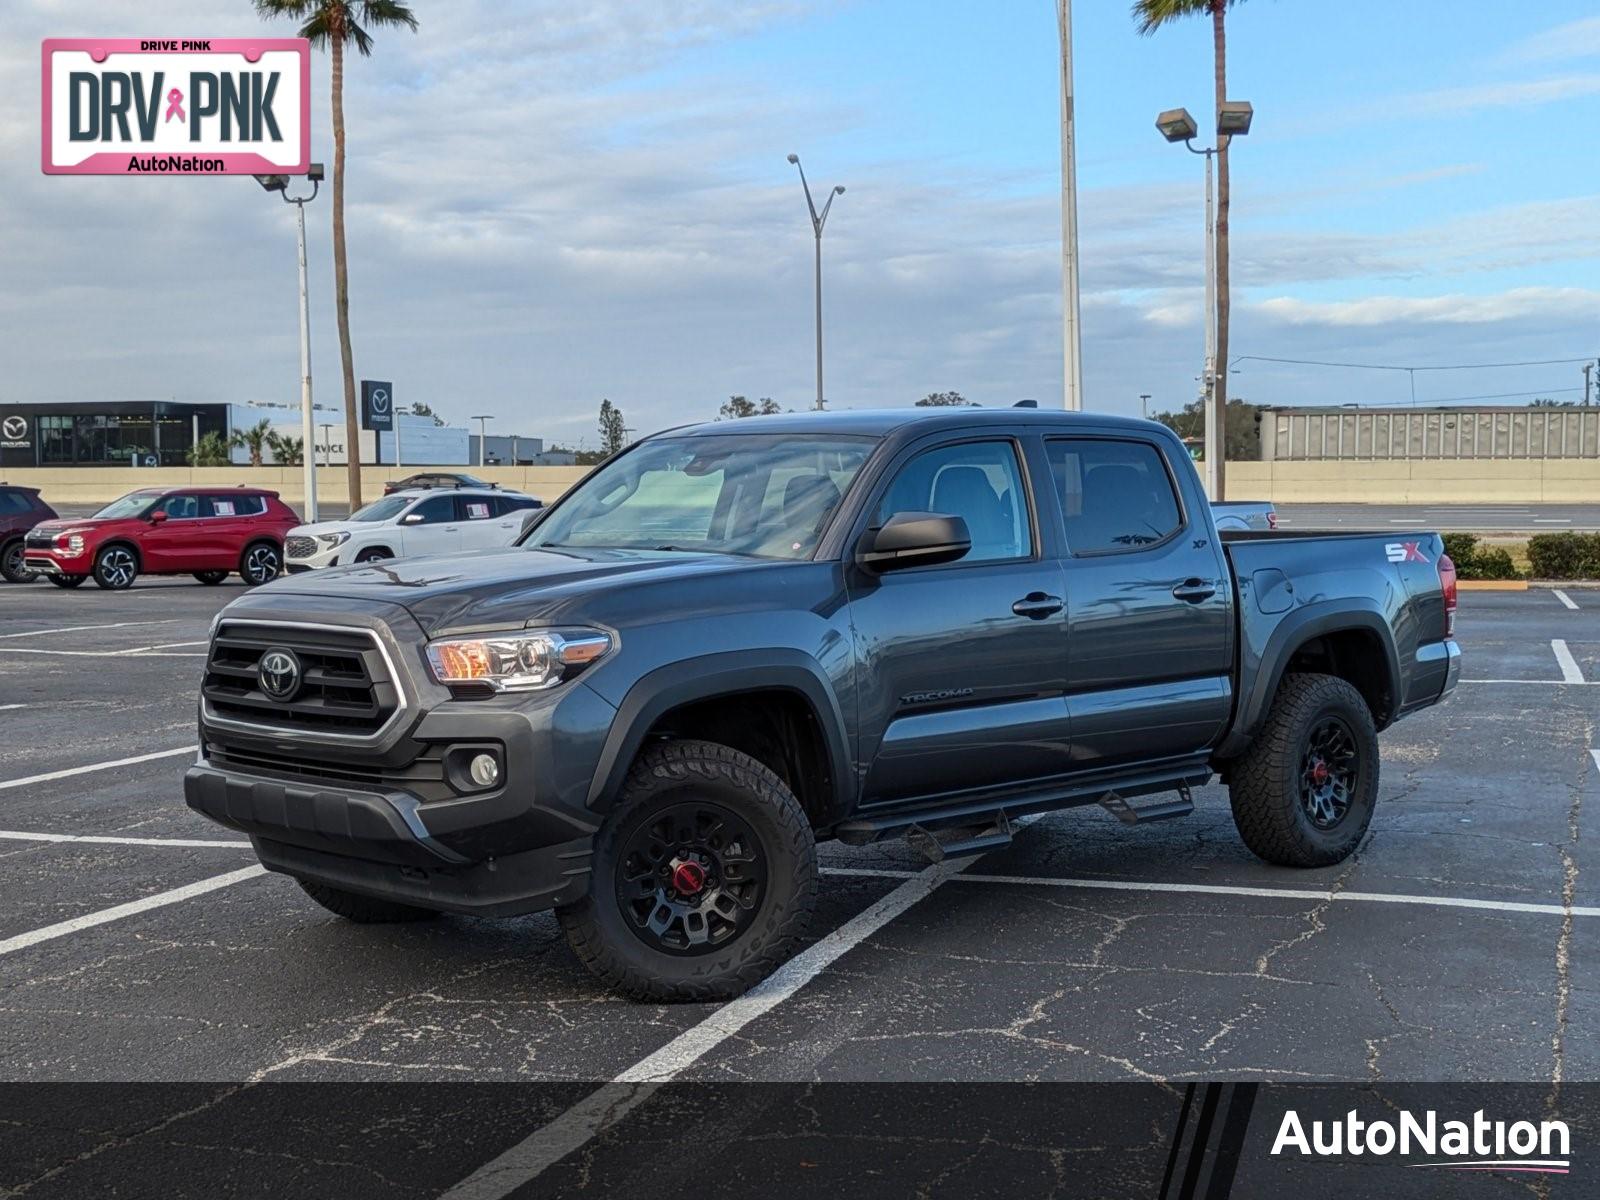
(1233, 118)
(1176, 125)
(273, 183)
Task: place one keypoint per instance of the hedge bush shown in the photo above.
(1565, 555)
(1478, 562)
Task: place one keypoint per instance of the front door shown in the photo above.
(169, 545)
(961, 666)
(431, 526)
(1151, 602)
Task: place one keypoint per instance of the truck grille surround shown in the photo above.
(345, 688)
(300, 547)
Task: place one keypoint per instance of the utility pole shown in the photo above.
(1071, 333)
(1588, 370)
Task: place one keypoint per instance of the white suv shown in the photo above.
(407, 524)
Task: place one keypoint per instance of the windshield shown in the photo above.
(768, 495)
(130, 505)
(382, 510)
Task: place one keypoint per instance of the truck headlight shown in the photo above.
(517, 662)
(330, 540)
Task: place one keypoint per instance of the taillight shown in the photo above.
(1447, 584)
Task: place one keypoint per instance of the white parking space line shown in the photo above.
(1216, 889)
(82, 628)
(26, 780)
(1537, 682)
(9, 707)
(1563, 597)
(109, 652)
(18, 835)
(106, 915)
(1552, 520)
(1596, 756)
(1570, 671)
(613, 1101)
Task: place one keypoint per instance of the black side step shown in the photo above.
(1161, 810)
(936, 846)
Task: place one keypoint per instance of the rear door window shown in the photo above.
(476, 508)
(1116, 496)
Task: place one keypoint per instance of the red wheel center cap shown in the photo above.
(688, 878)
(1320, 772)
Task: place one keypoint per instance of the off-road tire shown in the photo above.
(363, 910)
(671, 773)
(1265, 786)
(11, 568)
(67, 581)
(211, 578)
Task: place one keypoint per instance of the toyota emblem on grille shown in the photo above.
(279, 673)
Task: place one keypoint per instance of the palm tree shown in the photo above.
(332, 23)
(254, 439)
(1149, 16)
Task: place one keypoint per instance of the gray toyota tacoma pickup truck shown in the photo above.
(734, 640)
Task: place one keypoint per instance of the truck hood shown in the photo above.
(499, 588)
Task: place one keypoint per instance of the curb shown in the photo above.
(1492, 585)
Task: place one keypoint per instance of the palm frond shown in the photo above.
(1151, 15)
(319, 18)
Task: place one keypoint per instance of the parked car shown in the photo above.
(436, 479)
(20, 510)
(407, 524)
(204, 532)
(1244, 514)
(737, 639)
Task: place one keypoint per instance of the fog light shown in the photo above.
(484, 769)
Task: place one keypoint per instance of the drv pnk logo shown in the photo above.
(1401, 552)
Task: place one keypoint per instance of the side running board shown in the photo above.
(957, 842)
(1161, 810)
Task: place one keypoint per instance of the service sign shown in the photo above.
(168, 106)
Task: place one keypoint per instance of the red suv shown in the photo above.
(204, 532)
(20, 510)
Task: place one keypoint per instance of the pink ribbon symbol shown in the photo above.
(175, 106)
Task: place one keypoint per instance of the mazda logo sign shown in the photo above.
(279, 674)
(14, 428)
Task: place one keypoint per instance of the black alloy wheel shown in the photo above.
(1328, 772)
(691, 878)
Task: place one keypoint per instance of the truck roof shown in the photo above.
(877, 422)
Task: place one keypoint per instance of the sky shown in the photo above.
(550, 202)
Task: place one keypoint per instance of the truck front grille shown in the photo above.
(300, 547)
(346, 689)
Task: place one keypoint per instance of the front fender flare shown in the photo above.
(706, 678)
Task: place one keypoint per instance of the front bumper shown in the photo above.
(54, 562)
(323, 557)
(375, 843)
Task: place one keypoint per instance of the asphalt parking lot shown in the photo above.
(138, 942)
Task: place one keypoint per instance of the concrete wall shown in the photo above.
(1419, 481)
(97, 485)
(1403, 481)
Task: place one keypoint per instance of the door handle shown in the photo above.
(1037, 606)
(1195, 590)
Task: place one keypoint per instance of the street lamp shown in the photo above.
(483, 434)
(1176, 125)
(818, 220)
(308, 453)
(1144, 405)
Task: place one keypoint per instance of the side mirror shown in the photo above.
(411, 519)
(158, 516)
(914, 539)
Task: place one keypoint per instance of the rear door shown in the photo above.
(962, 665)
(1150, 600)
(482, 524)
(222, 529)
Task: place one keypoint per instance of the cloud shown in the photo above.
(1458, 101)
(1575, 39)
(1460, 309)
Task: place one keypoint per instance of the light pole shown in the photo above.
(308, 452)
(327, 444)
(818, 220)
(1176, 125)
(1071, 329)
(1144, 405)
(483, 434)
